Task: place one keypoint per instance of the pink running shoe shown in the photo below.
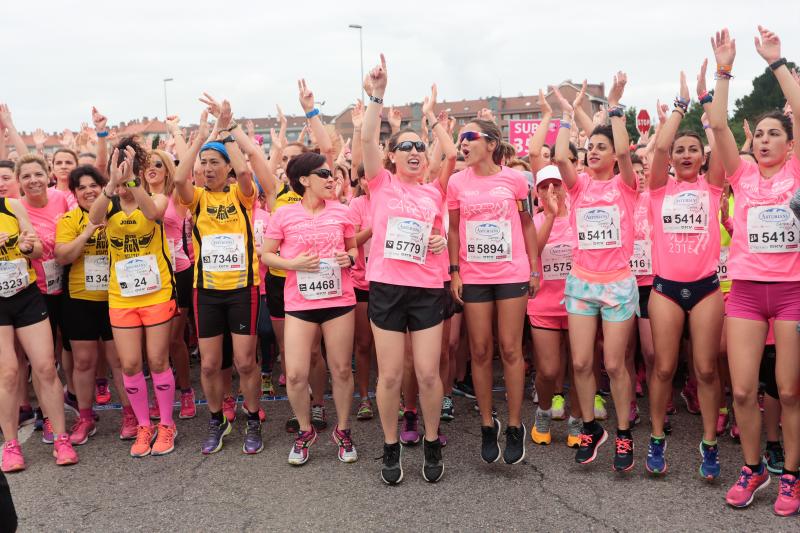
(788, 502)
(671, 407)
(282, 380)
(735, 431)
(188, 408)
(47, 432)
(13, 461)
(689, 395)
(633, 417)
(229, 408)
(81, 430)
(742, 492)
(129, 425)
(102, 394)
(63, 451)
(723, 419)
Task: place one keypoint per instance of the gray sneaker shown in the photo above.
(540, 433)
(318, 418)
(574, 426)
(448, 409)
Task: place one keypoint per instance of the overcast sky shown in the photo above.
(62, 57)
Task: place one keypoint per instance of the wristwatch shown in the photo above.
(453, 268)
(228, 139)
(135, 182)
(535, 274)
(352, 260)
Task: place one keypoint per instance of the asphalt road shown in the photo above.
(185, 491)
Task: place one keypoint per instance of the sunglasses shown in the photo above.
(406, 146)
(323, 173)
(158, 164)
(473, 136)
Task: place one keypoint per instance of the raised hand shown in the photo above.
(251, 129)
(357, 114)
(748, 135)
(202, 127)
(724, 48)
(5, 117)
(544, 106)
(580, 96)
(769, 46)
(67, 139)
(486, 114)
(214, 107)
(118, 169)
(173, 124)
(701, 79)
(39, 137)
(225, 115)
(99, 120)
(600, 117)
(684, 91)
(378, 78)
(429, 103)
(661, 111)
(617, 88)
(395, 119)
(306, 96)
(566, 107)
(550, 201)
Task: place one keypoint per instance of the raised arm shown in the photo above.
(620, 132)
(724, 143)
(443, 139)
(582, 119)
(315, 125)
(562, 153)
(244, 177)
(183, 183)
(13, 135)
(356, 157)
(101, 129)
(370, 134)
(173, 123)
(715, 173)
(118, 172)
(659, 168)
(258, 161)
(536, 141)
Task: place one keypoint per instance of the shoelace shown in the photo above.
(744, 479)
(410, 422)
(586, 440)
(447, 403)
(345, 441)
(302, 441)
(514, 433)
(624, 445)
(787, 487)
(391, 458)
(143, 437)
(656, 448)
(542, 422)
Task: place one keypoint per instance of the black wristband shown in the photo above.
(376, 99)
(352, 260)
(777, 64)
(453, 268)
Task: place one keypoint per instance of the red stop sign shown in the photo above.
(643, 121)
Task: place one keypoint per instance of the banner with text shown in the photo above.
(520, 130)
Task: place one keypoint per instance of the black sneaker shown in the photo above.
(774, 458)
(490, 441)
(623, 457)
(463, 388)
(587, 451)
(515, 445)
(292, 425)
(392, 470)
(432, 468)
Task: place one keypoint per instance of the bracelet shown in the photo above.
(102, 134)
(777, 64)
(616, 111)
(681, 104)
(28, 252)
(453, 268)
(313, 113)
(706, 98)
(107, 195)
(228, 139)
(564, 124)
(706, 126)
(724, 68)
(535, 274)
(376, 99)
(723, 75)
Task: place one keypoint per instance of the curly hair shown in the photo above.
(140, 160)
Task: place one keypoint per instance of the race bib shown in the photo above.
(488, 241)
(326, 283)
(556, 261)
(722, 267)
(406, 240)
(686, 212)
(95, 270)
(772, 229)
(259, 228)
(53, 275)
(13, 277)
(642, 259)
(138, 275)
(598, 227)
(224, 252)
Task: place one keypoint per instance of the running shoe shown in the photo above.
(671, 410)
(318, 418)
(656, 462)
(81, 430)
(464, 388)
(574, 427)
(188, 407)
(667, 425)
(38, 422)
(442, 438)
(734, 431)
(155, 414)
(742, 492)
(347, 450)
(689, 395)
(633, 416)
(490, 441)
(216, 431)
(365, 410)
(253, 442)
(600, 412)
(130, 426)
(282, 380)
(47, 432)
(102, 392)
(392, 468)
(587, 450)
(788, 501)
(292, 425)
(70, 404)
(144, 441)
(623, 456)
(534, 393)
(13, 461)
(63, 451)
(540, 432)
(723, 420)
(432, 467)
(515, 445)
(409, 432)
(229, 407)
(709, 468)
(639, 388)
(26, 416)
(165, 440)
(298, 455)
(557, 407)
(448, 410)
(267, 387)
(774, 458)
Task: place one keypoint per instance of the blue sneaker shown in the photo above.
(253, 443)
(656, 463)
(709, 468)
(216, 431)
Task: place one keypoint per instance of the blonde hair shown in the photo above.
(24, 159)
(169, 171)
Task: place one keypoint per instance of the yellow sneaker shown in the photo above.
(574, 425)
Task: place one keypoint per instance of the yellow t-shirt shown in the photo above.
(725, 286)
(13, 265)
(285, 197)
(89, 272)
(140, 267)
(224, 247)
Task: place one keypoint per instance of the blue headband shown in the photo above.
(217, 147)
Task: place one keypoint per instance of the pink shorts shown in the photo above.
(549, 322)
(754, 300)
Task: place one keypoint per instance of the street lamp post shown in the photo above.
(166, 109)
(361, 48)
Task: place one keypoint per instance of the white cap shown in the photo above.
(550, 172)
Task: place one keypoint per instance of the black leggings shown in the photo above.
(266, 336)
(766, 373)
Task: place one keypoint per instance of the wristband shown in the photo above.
(777, 64)
(376, 99)
(228, 139)
(352, 260)
(110, 197)
(565, 124)
(135, 182)
(453, 268)
(535, 274)
(102, 134)
(706, 98)
(724, 68)
(706, 126)
(723, 75)
(616, 111)
(313, 113)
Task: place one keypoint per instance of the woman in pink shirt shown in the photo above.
(601, 282)
(406, 286)
(64, 161)
(686, 244)
(317, 249)
(493, 264)
(764, 264)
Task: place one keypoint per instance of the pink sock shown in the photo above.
(164, 385)
(136, 389)
(86, 414)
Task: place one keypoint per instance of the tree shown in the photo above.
(630, 124)
(765, 96)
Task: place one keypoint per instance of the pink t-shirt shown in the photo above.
(444, 258)
(403, 217)
(49, 274)
(601, 215)
(490, 225)
(260, 225)
(361, 217)
(298, 231)
(686, 238)
(175, 230)
(766, 235)
(72, 202)
(555, 263)
(642, 259)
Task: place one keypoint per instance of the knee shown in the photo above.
(790, 396)
(8, 377)
(511, 351)
(481, 355)
(207, 370)
(340, 373)
(296, 378)
(428, 380)
(82, 364)
(663, 373)
(744, 395)
(247, 366)
(706, 373)
(583, 367)
(616, 369)
(390, 382)
(45, 371)
(547, 372)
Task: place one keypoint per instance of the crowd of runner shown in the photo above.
(429, 253)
